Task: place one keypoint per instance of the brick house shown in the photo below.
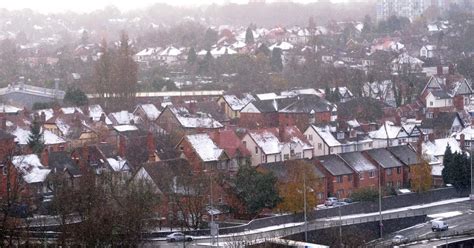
(390, 168)
(339, 176)
(409, 158)
(232, 105)
(365, 171)
(236, 151)
(203, 154)
(7, 149)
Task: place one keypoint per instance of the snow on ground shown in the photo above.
(445, 215)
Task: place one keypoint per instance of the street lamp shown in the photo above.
(380, 203)
(305, 216)
(213, 227)
(471, 196)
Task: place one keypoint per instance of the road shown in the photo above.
(459, 217)
(459, 206)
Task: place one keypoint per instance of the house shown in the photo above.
(465, 138)
(147, 112)
(437, 147)
(228, 140)
(277, 144)
(281, 170)
(322, 140)
(389, 135)
(63, 168)
(52, 142)
(263, 113)
(179, 121)
(232, 105)
(343, 94)
(202, 153)
(409, 158)
(306, 110)
(428, 51)
(32, 174)
(443, 124)
(170, 55)
(366, 175)
(123, 118)
(389, 167)
(339, 176)
(96, 113)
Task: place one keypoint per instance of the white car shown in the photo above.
(439, 225)
(330, 201)
(399, 239)
(178, 237)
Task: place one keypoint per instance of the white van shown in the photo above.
(439, 225)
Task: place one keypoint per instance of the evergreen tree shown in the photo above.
(76, 97)
(276, 61)
(447, 172)
(457, 170)
(35, 139)
(249, 39)
(192, 56)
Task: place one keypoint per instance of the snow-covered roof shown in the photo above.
(438, 147)
(148, 51)
(171, 51)
(30, 168)
(151, 111)
(219, 51)
(353, 123)
(125, 128)
(48, 113)
(49, 138)
(358, 161)
(468, 133)
(437, 170)
(267, 96)
(118, 164)
(71, 110)
(326, 135)
(284, 46)
(237, 104)
(267, 141)
(407, 59)
(123, 117)
(9, 109)
(96, 111)
(388, 130)
(205, 147)
(63, 126)
(188, 121)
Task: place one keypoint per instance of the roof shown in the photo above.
(443, 121)
(118, 164)
(441, 94)
(438, 147)
(309, 104)
(236, 103)
(62, 161)
(230, 142)
(168, 175)
(326, 135)
(282, 169)
(335, 165)
(388, 130)
(9, 109)
(96, 111)
(205, 147)
(30, 168)
(384, 158)
(150, 110)
(192, 121)
(22, 136)
(267, 140)
(125, 128)
(405, 154)
(122, 117)
(358, 161)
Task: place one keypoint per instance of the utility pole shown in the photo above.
(212, 212)
(472, 186)
(305, 216)
(340, 227)
(380, 203)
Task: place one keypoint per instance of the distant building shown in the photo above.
(408, 8)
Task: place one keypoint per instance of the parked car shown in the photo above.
(439, 225)
(178, 237)
(348, 200)
(330, 201)
(399, 239)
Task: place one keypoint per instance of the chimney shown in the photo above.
(151, 147)
(22, 83)
(122, 146)
(102, 117)
(56, 85)
(452, 69)
(419, 145)
(42, 117)
(462, 142)
(45, 158)
(3, 123)
(439, 70)
(281, 132)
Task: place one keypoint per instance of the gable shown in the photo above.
(464, 88)
(250, 108)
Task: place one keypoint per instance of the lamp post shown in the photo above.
(471, 196)
(305, 216)
(380, 203)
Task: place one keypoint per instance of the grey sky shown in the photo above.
(47, 6)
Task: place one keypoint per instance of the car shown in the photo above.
(339, 204)
(399, 239)
(178, 237)
(330, 201)
(348, 200)
(439, 225)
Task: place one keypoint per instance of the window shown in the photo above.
(399, 170)
(256, 150)
(339, 179)
(340, 193)
(310, 137)
(320, 146)
(361, 176)
(4, 169)
(320, 196)
(245, 144)
(399, 184)
(286, 156)
(389, 184)
(371, 174)
(388, 171)
(349, 178)
(298, 155)
(431, 103)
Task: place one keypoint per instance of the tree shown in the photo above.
(126, 72)
(365, 194)
(256, 190)
(457, 170)
(367, 25)
(75, 97)
(292, 190)
(276, 60)
(192, 56)
(35, 139)
(84, 37)
(103, 72)
(421, 179)
(9, 63)
(249, 39)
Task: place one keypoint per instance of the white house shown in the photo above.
(427, 51)
(322, 140)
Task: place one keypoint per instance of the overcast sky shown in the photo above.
(48, 6)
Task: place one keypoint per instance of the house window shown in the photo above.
(286, 156)
(320, 146)
(389, 184)
(371, 174)
(320, 196)
(256, 150)
(399, 170)
(361, 176)
(349, 178)
(340, 193)
(298, 155)
(388, 171)
(245, 144)
(399, 184)
(339, 179)
(429, 115)
(310, 137)
(431, 103)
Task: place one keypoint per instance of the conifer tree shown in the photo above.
(35, 140)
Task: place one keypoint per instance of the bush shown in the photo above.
(365, 194)
(75, 97)
(43, 105)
